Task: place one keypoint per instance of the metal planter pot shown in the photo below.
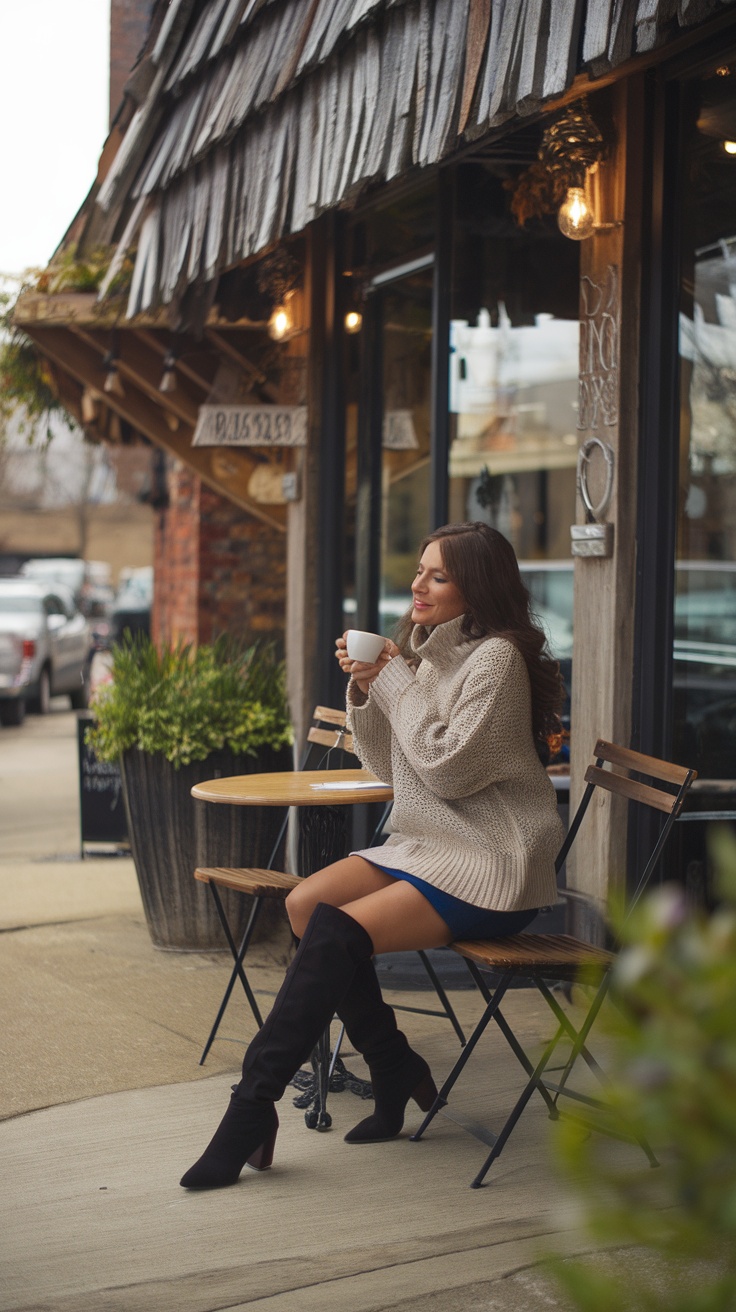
(171, 833)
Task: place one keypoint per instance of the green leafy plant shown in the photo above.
(25, 377)
(673, 1035)
(188, 702)
(73, 270)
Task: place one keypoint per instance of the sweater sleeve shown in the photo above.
(456, 755)
(371, 732)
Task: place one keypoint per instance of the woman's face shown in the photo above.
(436, 599)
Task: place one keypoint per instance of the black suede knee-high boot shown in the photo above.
(397, 1072)
(332, 947)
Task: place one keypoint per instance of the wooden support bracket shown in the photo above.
(227, 471)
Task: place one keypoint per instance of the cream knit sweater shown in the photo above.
(474, 810)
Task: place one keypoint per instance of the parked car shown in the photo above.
(88, 580)
(45, 648)
(131, 609)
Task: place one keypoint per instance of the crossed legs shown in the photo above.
(395, 914)
(342, 915)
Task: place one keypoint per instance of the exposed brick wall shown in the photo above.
(217, 569)
(242, 582)
(176, 561)
(129, 21)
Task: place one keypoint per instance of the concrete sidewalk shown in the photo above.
(106, 1105)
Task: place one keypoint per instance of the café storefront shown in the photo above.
(461, 364)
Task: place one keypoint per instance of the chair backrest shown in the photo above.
(336, 738)
(639, 778)
(329, 747)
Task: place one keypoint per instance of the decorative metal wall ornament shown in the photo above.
(570, 146)
(595, 537)
(278, 274)
(598, 376)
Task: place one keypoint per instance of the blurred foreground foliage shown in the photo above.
(674, 1083)
(187, 702)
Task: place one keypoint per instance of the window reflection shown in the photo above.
(513, 390)
(705, 601)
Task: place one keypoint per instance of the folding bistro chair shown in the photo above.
(545, 959)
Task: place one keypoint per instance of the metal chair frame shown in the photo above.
(561, 958)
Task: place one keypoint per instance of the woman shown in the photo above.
(455, 718)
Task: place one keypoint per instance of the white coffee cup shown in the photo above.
(363, 646)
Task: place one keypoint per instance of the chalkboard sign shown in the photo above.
(101, 808)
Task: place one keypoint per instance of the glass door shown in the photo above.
(406, 373)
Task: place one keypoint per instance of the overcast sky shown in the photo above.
(54, 87)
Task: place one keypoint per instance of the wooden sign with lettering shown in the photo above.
(251, 425)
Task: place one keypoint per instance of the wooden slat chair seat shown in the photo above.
(549, 959)
(257, 883)
(536, 954)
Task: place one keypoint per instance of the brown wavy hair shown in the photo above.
(482, 564)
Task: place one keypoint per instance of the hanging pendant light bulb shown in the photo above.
(576, 219)
(280, 323)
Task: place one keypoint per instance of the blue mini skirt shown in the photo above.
(463, 919)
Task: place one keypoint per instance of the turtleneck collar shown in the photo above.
(443, 644)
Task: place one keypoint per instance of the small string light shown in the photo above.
(280, 323)
(113, 383)
(169, 381)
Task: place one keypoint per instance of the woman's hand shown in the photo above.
(363, 673)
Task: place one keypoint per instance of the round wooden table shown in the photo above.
(295, 788)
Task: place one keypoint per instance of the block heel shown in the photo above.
(425, 1093)
(262, 1158)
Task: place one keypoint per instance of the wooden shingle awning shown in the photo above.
(259, 116)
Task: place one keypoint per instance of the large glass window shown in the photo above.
(388, 372)
(513, 385)
(514, 339)
(705, 590)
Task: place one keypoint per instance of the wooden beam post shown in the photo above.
(605, 587)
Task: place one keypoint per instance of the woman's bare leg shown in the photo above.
(394, 913)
